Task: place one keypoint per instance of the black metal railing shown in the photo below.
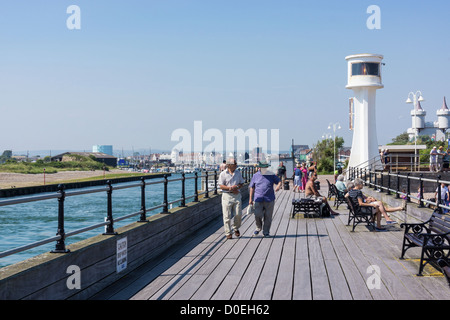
(382, 181)
(61, 195)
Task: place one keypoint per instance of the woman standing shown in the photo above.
(297, 178)
(304, 177)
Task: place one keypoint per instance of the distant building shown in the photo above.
(108, 149)
(436, 130)
(100, 157)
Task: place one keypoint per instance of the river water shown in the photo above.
(22, 224)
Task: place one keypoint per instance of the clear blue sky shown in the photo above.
(138, 70)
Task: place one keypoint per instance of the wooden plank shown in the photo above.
(270, 272)
(368, 243)
(167, 283)
(302, 273)
(319, 279)
(233, 279)
(251, 276)
(210, 285)
(338, 283)
(355, 281)
(360, 261)
(284, 282)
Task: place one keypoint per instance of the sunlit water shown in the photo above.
(22, 224)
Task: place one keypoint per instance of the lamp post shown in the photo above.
(417, 97)
(335, 126)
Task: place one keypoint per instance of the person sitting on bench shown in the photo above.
(311, 192)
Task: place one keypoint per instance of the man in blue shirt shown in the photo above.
(263, 196)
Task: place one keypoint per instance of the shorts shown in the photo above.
(297, 181)
(366, 210)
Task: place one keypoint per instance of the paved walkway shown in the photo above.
(304, 259)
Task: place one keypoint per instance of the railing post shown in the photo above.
(206, 185)
(183, 190)
(244, 174)
(215, 182)
(439, 198)
(398, 187)
(196, 187)
(143, 217)
(389, 182)
(60, 244)
(166, 201)
(110, 227)
(408, 188)
(376, 182)
(381, 180)
(421, 191)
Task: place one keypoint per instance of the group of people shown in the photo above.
(300, 177)
(439, 159)
(263, 186)
(367, 204)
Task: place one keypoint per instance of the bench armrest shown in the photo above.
(436, 239)
(416, 228)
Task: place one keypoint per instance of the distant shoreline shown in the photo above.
(18, 180)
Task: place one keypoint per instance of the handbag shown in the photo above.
(250, 209)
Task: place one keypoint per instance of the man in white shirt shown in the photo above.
(230, 181)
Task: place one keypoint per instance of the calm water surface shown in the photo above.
(22, 224)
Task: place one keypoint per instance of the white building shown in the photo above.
(436, 129)
(108, 149)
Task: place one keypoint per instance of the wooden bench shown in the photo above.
(358, 216)
(433, 236)
(339, 197)
(330, 191)
(306, 206)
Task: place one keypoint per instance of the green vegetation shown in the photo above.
(323, 154)
(81, 164)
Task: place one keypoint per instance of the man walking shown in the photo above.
(230, 181)
(263, 195)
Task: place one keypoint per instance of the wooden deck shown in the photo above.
(303, 259)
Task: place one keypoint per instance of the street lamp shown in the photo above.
(417, 97)
(335, 126)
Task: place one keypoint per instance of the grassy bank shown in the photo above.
(82, 164)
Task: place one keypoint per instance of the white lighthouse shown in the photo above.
(364, 78)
